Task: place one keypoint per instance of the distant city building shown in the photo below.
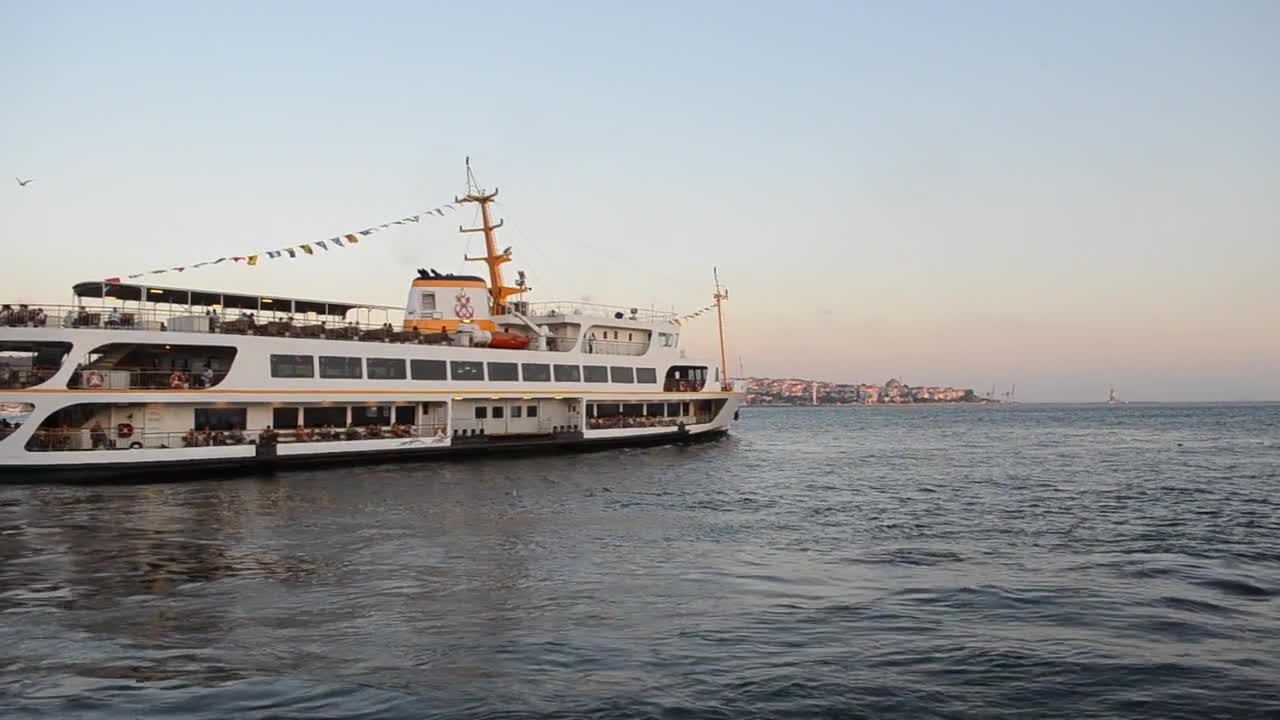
(796, 391)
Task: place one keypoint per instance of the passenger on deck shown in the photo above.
(302, 435)
(190, 439)
(353, 433)
(38, 318)
(219, 438)
(98, 436)
(214, 320)
(236, 436)
(268, 436)
(177, 380)
(6, 314)
(206, 377)
(113, 319)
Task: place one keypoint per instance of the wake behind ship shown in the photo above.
(135, 379)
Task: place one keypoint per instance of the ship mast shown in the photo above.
(721, 296)
(498, 289)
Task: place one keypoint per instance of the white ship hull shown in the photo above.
(141, 430)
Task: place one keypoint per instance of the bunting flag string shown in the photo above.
(341, 241)
(696, 313)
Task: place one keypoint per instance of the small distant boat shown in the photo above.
(1112, 399)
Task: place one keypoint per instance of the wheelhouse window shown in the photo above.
(318, 417)
(648, 376)
(340, 367)
(221, 418)
(428, 370)
(536, 372)
(595, 373)
(466, 370)
(622, 374)
(385, 368)
(427, 302)
(293, 366)
(502, 372)
(567, 373)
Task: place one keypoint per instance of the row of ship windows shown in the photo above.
(351, 368)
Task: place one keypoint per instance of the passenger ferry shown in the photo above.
(138, 380)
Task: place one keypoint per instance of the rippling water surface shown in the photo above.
(914, 562)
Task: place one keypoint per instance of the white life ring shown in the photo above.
(94, 379)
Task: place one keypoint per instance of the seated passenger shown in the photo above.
(268, 436)
(353, 433)
(190, 439)
(236, 436)
(219, 438)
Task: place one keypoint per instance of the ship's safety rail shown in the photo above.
(121, 438)
(595, 346)
(142, 379)
(19, 378)
(683, 385)
(378, 324)
(539, 311)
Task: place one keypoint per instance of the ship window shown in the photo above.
(673, 409)
(371, 415)
(339, 367)
(497, 412)
(26, 364)
(406, 415)
(502, 372)
(428, 302)
(595, 373)
(654, 409)
(482, 412)
(428, 369)
(531, 411)
(385, 368)
(466, 370)
(567, 373)
(293, 366)
(647, 375)
(632, 410)
(221, 418)
(314, 417)
(284, 418)
(621, 374)
(535, 372)
(516, 412)
(684, 408)
(629, 338)
(608, 410)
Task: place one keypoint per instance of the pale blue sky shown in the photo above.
(1064, 196)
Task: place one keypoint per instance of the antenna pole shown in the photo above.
(721, 296)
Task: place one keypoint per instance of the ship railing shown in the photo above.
(115, 438)
(595, 346)
(19, 378)
(354, 325)
(116, 378)
(683, 385)
(611, 312)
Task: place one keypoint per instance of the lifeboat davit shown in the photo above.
(509, 341)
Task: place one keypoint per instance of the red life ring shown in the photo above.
(94, 379)
(124, 430)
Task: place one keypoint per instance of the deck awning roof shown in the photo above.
(209, 298)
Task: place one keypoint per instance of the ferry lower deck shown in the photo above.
(155, 440)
